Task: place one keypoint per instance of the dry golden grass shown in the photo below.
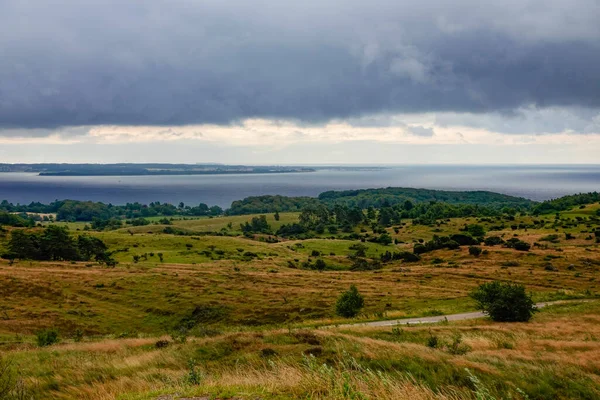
(557, 355)
(146, 298)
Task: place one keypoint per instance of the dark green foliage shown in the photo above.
(349, 303)
(269, 204)
(517, 244)
(47, 337)
(73, 210)
(56, 244)
(493, 240)
(433, 341)
(139, 222)
(15, 220)
(393, 204)
(315, 216)
(100, 224)
(475, 230)
(320, 265)
(407, 196)
(419, 248)
(292, 230)
(438, 242)
(464, 239)
(566, 203)
(91, 247)
(550, 238)
(474, 251)
(360, 249)
(362, 264)
(384, 239)
(504, 302)
(256, 225)
(406, 256)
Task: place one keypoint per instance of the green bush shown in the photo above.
(474, 251)
(320, 264)
(349, 303)
(47, 337)
(517, 244)
(493, 240)
(504, 302)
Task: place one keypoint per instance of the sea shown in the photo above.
(536, 182)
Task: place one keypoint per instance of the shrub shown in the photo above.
(522, 246)
(464, 239)
(47, 337)
(349, 303)
(493, 240)
(550, 238)
(385, 239)
(475, 230)
(517, 244)
(474, 251)
(320, 264)
(432, 341)
(419, 249)
(504, 302)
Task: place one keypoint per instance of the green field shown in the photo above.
(254, 312)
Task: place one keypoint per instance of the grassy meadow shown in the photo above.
(258, 318)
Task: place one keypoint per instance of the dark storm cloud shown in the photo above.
(159, 62)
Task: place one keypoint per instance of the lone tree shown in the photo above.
(349, 303)
(475, 251)
(504, 302)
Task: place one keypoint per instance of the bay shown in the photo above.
(539, 182)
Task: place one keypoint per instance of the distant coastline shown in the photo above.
(156, 169)
(169, 172)
(147, 169)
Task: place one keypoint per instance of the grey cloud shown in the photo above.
(421, 131)
(529, 120)
(181, 62)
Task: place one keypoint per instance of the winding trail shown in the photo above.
(439, 318)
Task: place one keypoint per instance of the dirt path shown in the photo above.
(439, 318)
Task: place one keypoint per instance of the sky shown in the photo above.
(300, 82)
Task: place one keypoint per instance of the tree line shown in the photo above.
(424, 206)
(55, 243)
(74, 210)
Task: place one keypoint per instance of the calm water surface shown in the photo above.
(534, 182)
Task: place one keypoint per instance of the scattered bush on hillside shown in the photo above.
(517, 244)
(493, 240)
(504, 302)
(405, 256)
(465, 239)
(47, 337)
(349, 303)
(438, 242)
(256, 225)
(475, 251)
